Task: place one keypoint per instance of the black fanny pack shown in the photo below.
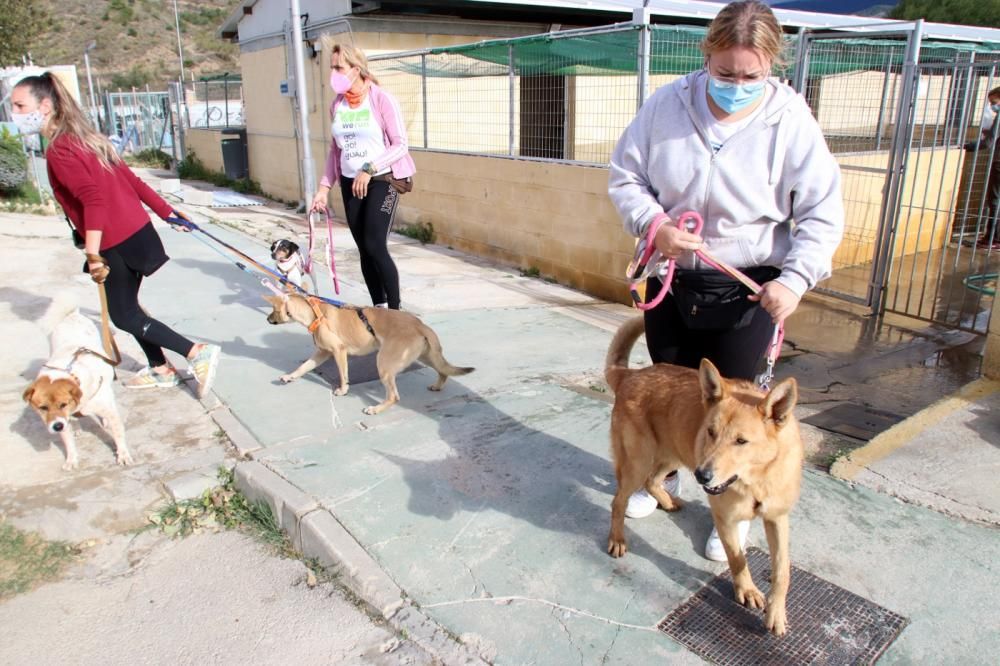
(75, 235)
(711, 300)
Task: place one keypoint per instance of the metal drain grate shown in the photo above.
(826, 624)
(855, 421)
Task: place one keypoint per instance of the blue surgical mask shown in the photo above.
(995, 107)
(731, 97)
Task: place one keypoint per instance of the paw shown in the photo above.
(616, 547)
(340, 391)
(433, 387)
(774, 620)
(750, 596)
(71, 464)
(676, 504)
(123, 458)
(286, 379)
(370, 411)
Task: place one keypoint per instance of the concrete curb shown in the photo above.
(316, 533)
(882, 445)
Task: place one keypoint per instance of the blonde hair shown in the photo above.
(355, 57)
(747, 23)
(68, 118)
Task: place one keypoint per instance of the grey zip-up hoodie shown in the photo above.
(770, 196)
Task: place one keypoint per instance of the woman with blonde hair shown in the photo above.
(103, 200)
(743, 150)
(370, 160)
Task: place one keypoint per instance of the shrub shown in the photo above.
(191, 168)
(151, 157)
(13, 164)
(423, 232)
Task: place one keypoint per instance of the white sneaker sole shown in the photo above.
(716, 552)
(213, 366)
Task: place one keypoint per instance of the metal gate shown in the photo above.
(138, 120)
(898, 118)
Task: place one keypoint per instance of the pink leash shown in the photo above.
(308, 267)
(649, 261)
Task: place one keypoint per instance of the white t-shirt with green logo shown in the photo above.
(358, 135)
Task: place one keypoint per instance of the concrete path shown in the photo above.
(487, 503)
(212, 598)
(143, 598)
(484, 508)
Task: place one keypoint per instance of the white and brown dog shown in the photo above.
(77, 381)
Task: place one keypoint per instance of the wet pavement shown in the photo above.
(488, 503)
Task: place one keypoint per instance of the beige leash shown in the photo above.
(110, 346)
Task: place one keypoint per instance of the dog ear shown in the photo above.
(713, 386)
(292, 247)
(76, 394)
(28, 393)
(780, 401)
(273, 300)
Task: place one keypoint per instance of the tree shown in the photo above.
(21, 22)
(985, 13)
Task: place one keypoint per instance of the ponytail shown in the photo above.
(68, 118)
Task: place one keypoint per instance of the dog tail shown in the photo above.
(619, 350)
(434, 356)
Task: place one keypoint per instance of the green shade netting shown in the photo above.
(673, 50)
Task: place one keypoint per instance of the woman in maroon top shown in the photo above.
(103, 199)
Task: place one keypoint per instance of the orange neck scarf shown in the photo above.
(355, 99)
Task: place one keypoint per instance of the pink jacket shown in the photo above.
(397, 153)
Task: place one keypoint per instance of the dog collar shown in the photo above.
(314, 304)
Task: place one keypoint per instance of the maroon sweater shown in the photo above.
(96, 198)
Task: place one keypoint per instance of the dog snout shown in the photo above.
(57, 426)
(703, 475)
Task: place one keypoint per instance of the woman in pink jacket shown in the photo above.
(370, 158)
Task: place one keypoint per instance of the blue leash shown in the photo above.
(179, 220)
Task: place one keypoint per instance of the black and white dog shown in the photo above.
(289, 261)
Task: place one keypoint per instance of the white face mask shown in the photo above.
(29, 123)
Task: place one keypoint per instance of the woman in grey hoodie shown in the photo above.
(742, 149)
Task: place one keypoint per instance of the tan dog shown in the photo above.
(743, 446)
(399, 337)
(76, 382)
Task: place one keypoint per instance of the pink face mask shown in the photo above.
(340, 83)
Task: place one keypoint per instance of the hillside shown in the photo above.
(136, 39)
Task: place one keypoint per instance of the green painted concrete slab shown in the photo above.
(500, 487)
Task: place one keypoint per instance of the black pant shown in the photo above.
(737, 353)
(134, 258)
(370, 220)
(992, 207)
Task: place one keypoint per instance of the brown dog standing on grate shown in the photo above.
(742, 444)
(399, 337)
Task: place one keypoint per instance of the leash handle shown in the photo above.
(114, 356)
(329, 252)
(307, 267)
(181, 220)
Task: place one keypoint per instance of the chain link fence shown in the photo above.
(897, 128)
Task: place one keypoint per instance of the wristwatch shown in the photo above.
(368, 168)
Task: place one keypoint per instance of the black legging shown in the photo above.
(122, 286)
(370, 220)
(736, 353)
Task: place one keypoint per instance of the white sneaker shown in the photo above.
(714, 549)
(641, 503)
